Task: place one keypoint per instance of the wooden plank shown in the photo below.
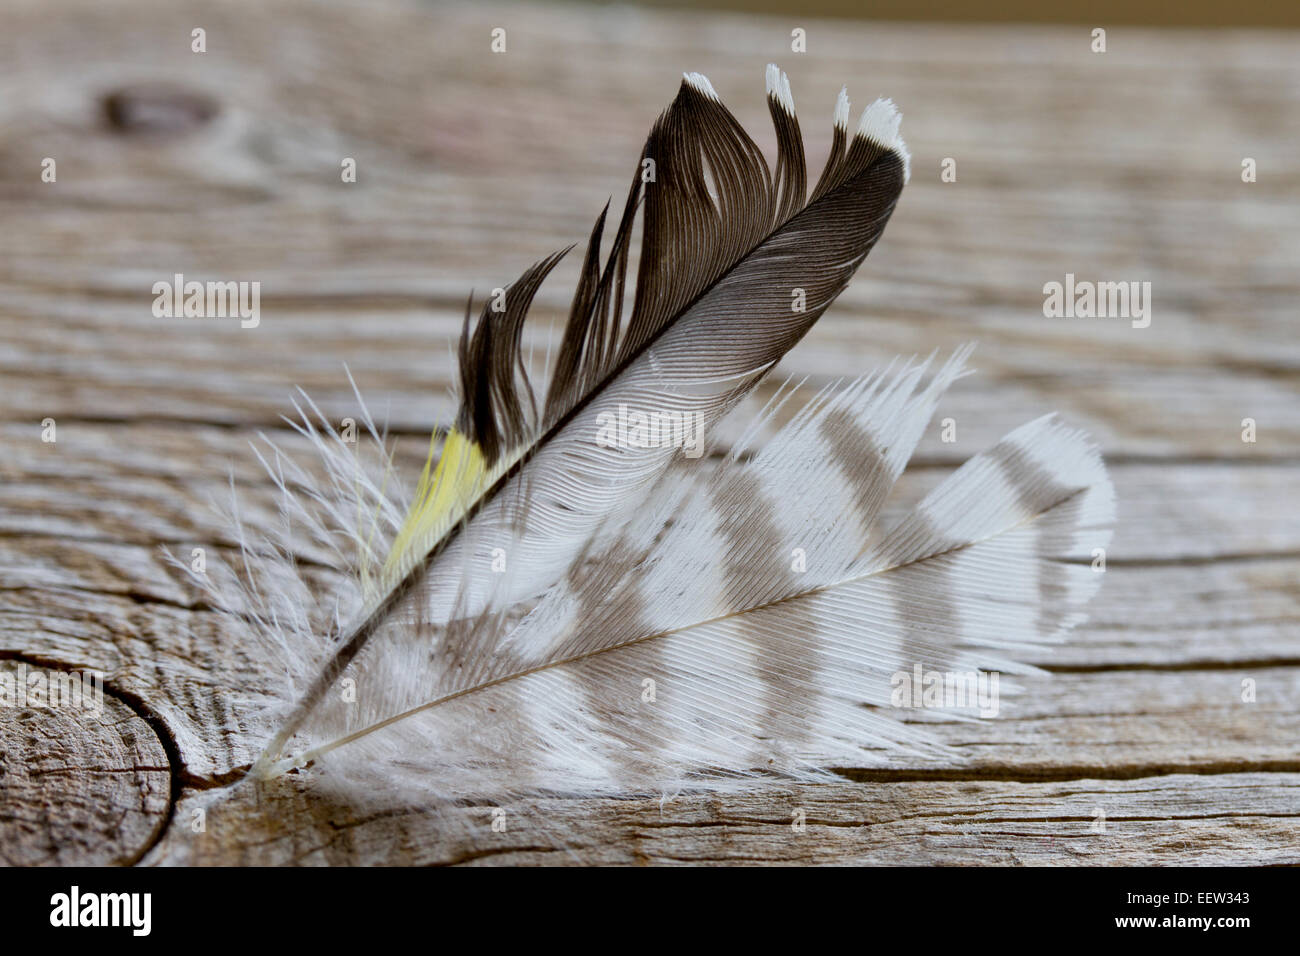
(86, 781)
(1124, 166)
(1196, 820)
(384, 267)
(104, 474)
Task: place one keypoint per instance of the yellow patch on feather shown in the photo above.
(442, 497)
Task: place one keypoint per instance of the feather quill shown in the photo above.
(549, 612)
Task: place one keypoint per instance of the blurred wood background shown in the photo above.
(226, 165)
(1103, 13)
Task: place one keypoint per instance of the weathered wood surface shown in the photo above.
(1120, 166)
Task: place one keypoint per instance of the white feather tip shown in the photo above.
(778, 87)
(842, 109)
(701, 82)
(879, 124)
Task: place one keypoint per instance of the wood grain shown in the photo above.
(225, 165)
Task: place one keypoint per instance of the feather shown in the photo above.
(553, 612)
(712, 311)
